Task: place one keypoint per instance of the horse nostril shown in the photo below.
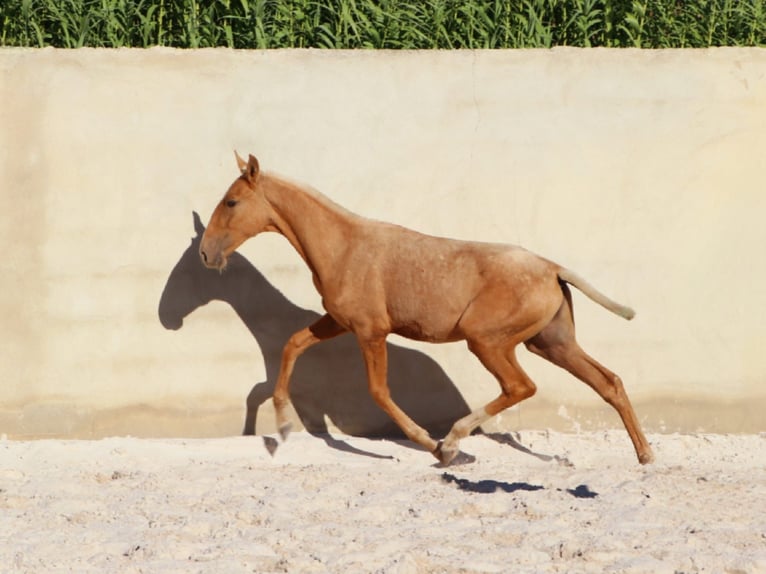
(204, 256)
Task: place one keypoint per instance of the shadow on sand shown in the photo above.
(488, 486)
(329, 379)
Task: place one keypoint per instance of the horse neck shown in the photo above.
(317, 228)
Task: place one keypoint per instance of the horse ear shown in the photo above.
(241, 163)
(251, 170)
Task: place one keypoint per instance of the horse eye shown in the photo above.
(231, 202)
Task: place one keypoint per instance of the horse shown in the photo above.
(326, 384)
(377, 278)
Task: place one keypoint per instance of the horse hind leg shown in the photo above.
(556, 343)
(514, 382)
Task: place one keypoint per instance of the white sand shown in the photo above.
(345, 504)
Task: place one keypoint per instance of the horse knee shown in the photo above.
(527, 390)
(614, 391)
(617, 390)
(293, 346)
(520, 391)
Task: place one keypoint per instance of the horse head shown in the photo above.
(243, 212)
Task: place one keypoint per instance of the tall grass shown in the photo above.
(415, 24)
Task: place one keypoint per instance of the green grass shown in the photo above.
(415, 24)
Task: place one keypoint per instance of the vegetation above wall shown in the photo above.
(417, 24)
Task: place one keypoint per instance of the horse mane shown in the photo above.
(293, 185)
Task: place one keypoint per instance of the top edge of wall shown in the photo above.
(328, 52)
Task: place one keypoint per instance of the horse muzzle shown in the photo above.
(212, 258)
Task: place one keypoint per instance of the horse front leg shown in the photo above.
(376, 360)
(324, 328)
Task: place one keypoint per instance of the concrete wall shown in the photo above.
(642, 170)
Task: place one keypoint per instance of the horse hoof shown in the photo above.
(646, 457)
(284, 430)
(445, 454)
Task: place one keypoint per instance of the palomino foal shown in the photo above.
(376, 278)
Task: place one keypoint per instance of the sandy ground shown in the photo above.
(531, 502)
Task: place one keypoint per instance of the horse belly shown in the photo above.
(426, 333)
(428, 317)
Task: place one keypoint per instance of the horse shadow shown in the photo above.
(329, 379)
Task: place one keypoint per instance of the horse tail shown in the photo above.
(575, 280)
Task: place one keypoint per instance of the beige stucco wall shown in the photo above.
(642, 170)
